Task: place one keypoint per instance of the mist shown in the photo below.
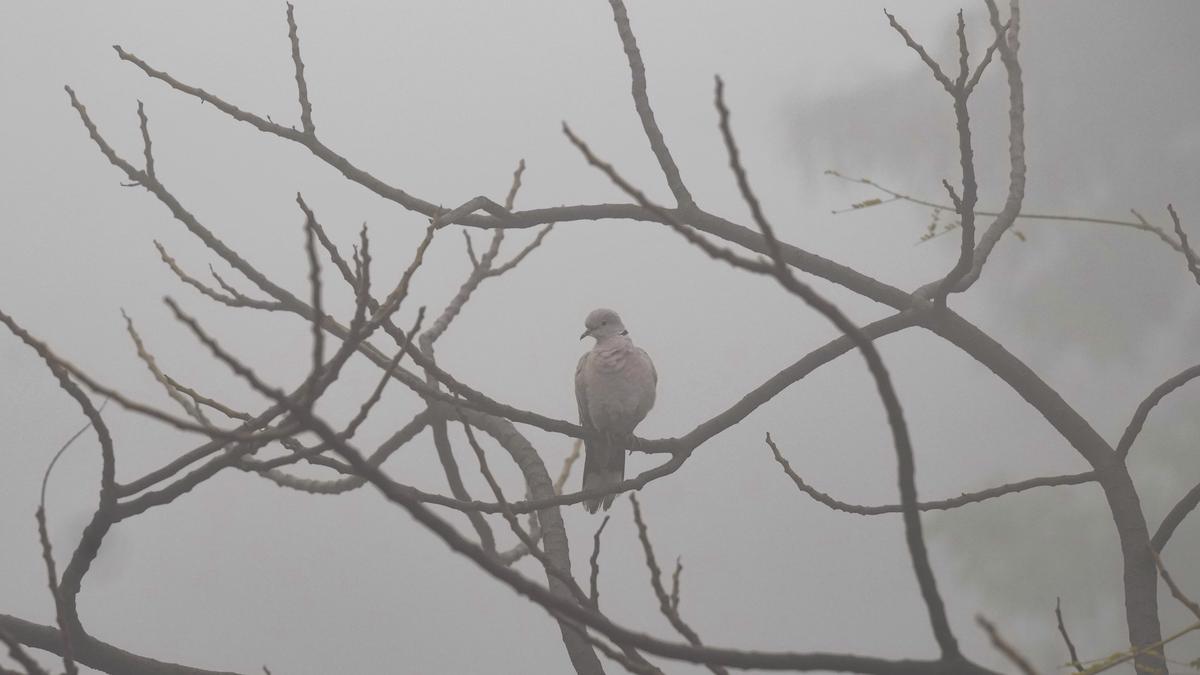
(443, 100)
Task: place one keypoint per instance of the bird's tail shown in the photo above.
(603, 467)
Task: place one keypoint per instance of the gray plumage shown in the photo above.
(614, 385)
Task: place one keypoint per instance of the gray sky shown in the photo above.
(443, 99)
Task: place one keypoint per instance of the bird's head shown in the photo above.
(602, 323)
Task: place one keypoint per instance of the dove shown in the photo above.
(615, 387)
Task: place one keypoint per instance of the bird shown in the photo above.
(615, 386)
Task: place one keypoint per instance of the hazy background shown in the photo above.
(442, 99)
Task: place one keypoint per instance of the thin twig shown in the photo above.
(1062, 630)
(1004, 647)
(565, 473)
(143, 123)
(189, 405)
(306, 121)
(893, 196)
(64, 614)
(594, 561)
(18, 654)
(1176, 592)
(937, 505)
(1174, 517)
(665, 605)
(234, 299)
(933, 66)
(1193, 262)
(1152, 399)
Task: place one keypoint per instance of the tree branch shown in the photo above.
(1143, 410)
(641, 102)
(94, 653)
(938, 505)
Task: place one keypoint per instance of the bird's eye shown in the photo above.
(604, 323)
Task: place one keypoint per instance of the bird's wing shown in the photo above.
(649, 362)
(585, 420)
(647, 380)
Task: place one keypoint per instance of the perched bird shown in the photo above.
(614, 385)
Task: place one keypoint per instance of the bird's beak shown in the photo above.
(585, 333)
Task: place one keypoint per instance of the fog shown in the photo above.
(443, 99)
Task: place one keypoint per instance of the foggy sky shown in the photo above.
(443, 99)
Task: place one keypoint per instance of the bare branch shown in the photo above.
(933, 66)
(62, 449)
(1174, 517)
(594, 561)
(887, 393)
(365, 409)
(987, 58)
(675, 582)
(19, 654)
(705, 222)
(520, 256)
(1143, 410)
(335, 256)
(1004, 647)
(970, 188)
(585, 616)
(234, 299)
(1139, 224)
(480, 271)
(515, 526)
(569, 462)
(1142, 223)
(641, 102)
(66, 367)
(314, 279)
(64, 612)
(964, 68)
(144, 122)
(511, 198)
(1193, 263)
(470, 249)
(939, 505)
(1008, 44)
(352, 482)
(60, 369)
(1176, 592)
(627, 663)
(445, 454)
(92, 652)
(189, 405)
(1062, 630)
(306, 121)
(179, 212)
(665, 605)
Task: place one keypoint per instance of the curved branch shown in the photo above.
(1193, 262)
(1174, 517)
(641, 102)
(1143, 410)
(938, 505)
(94, 653)
(1008, 44)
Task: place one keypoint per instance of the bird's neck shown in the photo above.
(613, 341)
